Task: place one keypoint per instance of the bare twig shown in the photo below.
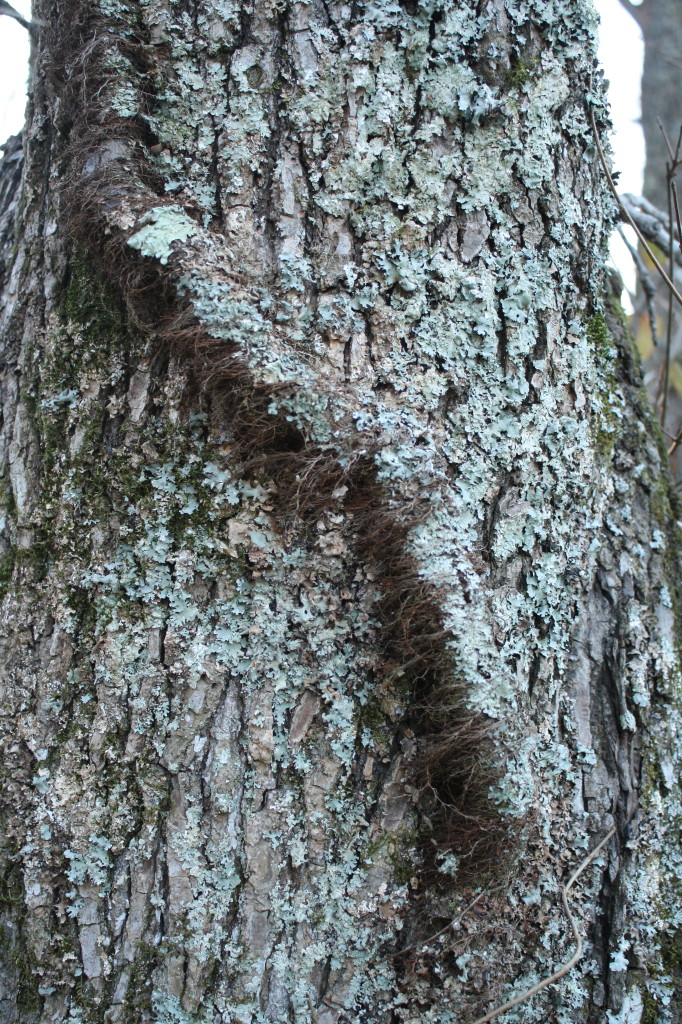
(677, 215)
(676, 441)
(5, 8)
(565, 968)
(670, 172)
(313, 1012)
(648, 286)
(641, 203)
(666, 140)
(432, 938)
(674, 156)
(635, 11)
(651, 221)
(624, 211)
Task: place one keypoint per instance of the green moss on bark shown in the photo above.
(608, 421)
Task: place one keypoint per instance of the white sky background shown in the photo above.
(620, 52)
(13, 70)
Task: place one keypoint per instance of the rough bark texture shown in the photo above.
(340, 561)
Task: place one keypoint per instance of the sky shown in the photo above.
(13, 70)
(620, 52)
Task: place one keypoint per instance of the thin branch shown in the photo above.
(5, 8)
(648, 286)
(629, 219)
(670, 174)
(565, 968)
(426, 942)
(313, 1012)
(651, 221)
(677, 214)
(632, 9)
(673, 157)
(647, 207)
(677, 441)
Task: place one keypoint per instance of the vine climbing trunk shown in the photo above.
(339, 559)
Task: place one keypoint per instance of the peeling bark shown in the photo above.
(339, 555)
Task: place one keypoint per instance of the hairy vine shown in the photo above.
(295, 430)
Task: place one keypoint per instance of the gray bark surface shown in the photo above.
(340, 558)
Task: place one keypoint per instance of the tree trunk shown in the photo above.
(339, 557)
(661, 27)
(661, 24)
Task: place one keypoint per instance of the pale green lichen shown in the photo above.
(160, 228)
(188, 609)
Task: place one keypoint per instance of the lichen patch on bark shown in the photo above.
(323, 448)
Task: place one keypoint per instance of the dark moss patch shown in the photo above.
(599, 337)
(34, 561)
(138, 1001)
(521, 72)
(91, 303)
(606, 426)
(7, 562)
(16, 957)
(651, 1008)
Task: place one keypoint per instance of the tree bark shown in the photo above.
(340, 560)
